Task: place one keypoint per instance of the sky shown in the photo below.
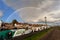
(6, 11)
(30, 10)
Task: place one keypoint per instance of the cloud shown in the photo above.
(32, 14)
(36, 10)
(16, 4)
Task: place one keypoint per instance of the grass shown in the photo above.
(38, 35)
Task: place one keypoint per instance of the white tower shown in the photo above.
(0, 23)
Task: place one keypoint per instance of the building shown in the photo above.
(17, 25)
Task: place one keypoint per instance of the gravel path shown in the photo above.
(53, 35)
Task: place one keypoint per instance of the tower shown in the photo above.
(0, 23)
(45, 20)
